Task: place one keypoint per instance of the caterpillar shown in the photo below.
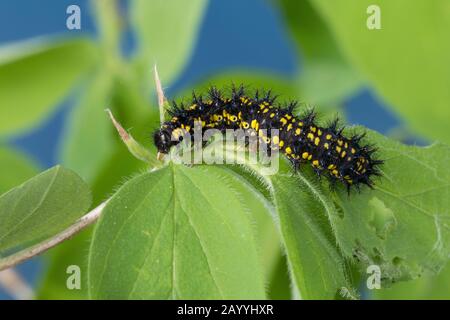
(300, 138)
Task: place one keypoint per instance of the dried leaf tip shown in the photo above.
(133, 146)
(160, 93)
(122, 132)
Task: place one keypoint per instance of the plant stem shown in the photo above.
(25, 254)
(108, 20)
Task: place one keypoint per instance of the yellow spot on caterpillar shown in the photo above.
(313, 129)
(338, 149)
(289, 117)
(315, 163)
(281, 144)
(187, 128)
(343, 154)
(328, 136)
(288, 150)
(331, 166)
(317, 141)
(262, 106)
(233, 118)
(310, 157)
(319, 132)
(267, 140)
(272, 115)
(349, 159)
(289, 126)
(310, 136)
(353, 150)
(275, 139)
(266, 110)
(176, 133)
(305, 155)
(245, 125)
(300, 124)
(326, 145)
(298, 131)
(335, 172)
(283, 121)
(240, 115)
(346, 145)
(340, 142)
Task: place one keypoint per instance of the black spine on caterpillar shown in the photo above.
(300, 138)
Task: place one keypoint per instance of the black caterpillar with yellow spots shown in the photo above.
(300, 138)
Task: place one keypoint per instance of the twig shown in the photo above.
(25, 254)
(15, 285)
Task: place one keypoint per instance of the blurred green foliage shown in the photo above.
(406, 61)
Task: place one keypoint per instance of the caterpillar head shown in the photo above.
(163, 140)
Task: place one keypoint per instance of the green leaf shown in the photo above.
(305, 212)
(279, 287)
(326, 76)
(427, 287)
(252, 189)
(35, 77)
(166, 33)
(404, 224)
(406, 60)
(168, 234)
(75, 251)
(40, 208)
(318, 269)
(15, 168)
(88, 137)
